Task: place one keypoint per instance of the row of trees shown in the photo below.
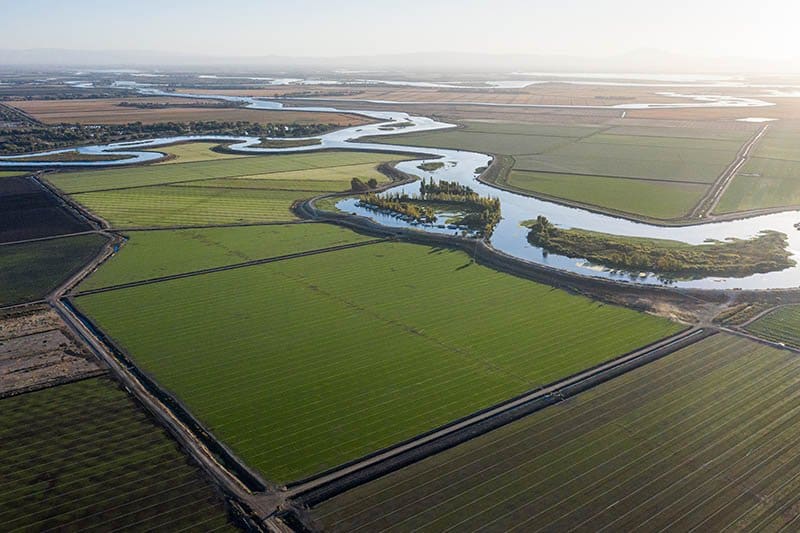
(32, 137)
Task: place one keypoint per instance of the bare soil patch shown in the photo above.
(37, 351)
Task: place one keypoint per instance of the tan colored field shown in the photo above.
(107, 111)
(540, 94)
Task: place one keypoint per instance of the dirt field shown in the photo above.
(107, 111)
(27, 211)
(36, 351)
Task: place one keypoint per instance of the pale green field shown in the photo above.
(192, 152)
(174, 206)
(763, 183)
(97, 180)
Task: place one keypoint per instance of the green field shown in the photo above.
(704, 439)
(196, 151)
(769, 179)
(304, 364)
(151, 254)
(679, 160)
(763, 183)
(662, 200)
(657, 172)
(81, 457)
(28, 271)
(97, 180)
(160, 206)
(781, 325)
(231, 191)
(10, 173)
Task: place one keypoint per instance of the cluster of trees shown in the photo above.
(444, 187)
(36, 137)
(480, 213)
(403, 205)
(357, 185)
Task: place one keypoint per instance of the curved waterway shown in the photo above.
(509, 236)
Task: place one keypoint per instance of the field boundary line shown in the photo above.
(211, 226)
(327, 484)
(245, 264)
(53, 237)
(609, 176)
(753, 337)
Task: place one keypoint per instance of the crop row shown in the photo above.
(700, 439)
(781, 325)
(81, 455)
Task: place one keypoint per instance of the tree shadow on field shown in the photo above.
(465, 265)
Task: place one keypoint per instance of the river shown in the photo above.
(509, 236)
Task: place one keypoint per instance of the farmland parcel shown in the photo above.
(222, 191)
(781, 325)
(704, 439)
(319, 360)
(658, 172)
(81, 456)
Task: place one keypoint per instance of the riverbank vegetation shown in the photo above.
(286, 143)
(670, 259)
(431, 166)
(476, 212)
(40, 137)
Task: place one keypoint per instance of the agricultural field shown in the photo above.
(193, 152)
(653, 171)
(246, 189)
(10, 173)
(82, 455)
(30, 270)
(654, 199)
(108, 111)
(703, 439)
(781, 325)
(242, 166)
(27, 211)
(319, 360)
(769, 179)
(151, 254)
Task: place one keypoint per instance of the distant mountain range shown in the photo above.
(644, 61)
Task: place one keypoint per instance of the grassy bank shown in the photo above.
(669, 259)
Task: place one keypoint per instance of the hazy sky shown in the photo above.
(764, 28)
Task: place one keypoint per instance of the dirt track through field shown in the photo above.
(711, 199)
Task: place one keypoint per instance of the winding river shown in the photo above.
(509, 237)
